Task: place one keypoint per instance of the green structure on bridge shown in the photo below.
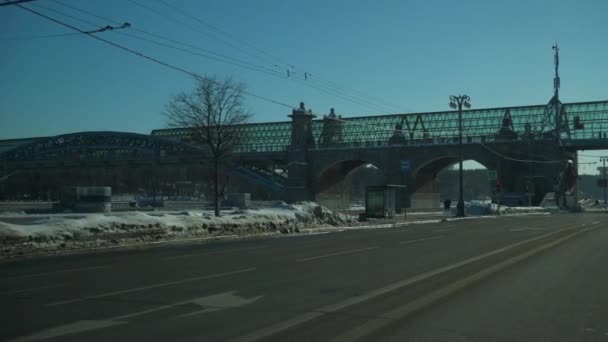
(584, 124)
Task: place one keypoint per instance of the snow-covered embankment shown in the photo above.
(31, 233)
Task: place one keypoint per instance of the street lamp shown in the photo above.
(603, 160)
(457, 102)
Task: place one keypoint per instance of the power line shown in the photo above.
(99, 29)
(152, 59)
(520, 160)
(85, 12)
(250, 67)
(330, 84)
(160, 36)
(44, 36)
(217, 29)
(219, 57)
(66, 15)
(257, 68)
(332, 88)
(179, 22)
(14, 2)
(277, 59)
(360, 93)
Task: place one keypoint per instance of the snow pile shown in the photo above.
(12, 213)
(481, 208)
(111, 229)
(312, 213)
(504, 210)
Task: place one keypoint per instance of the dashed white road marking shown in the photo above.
(525, 229)
(31, 289)
(70, 270)
(190, 255)
(308, 316)
(441, 230)
(153, 286)
(397, 230)
(337, 253)
(207, 304)
(418, 240)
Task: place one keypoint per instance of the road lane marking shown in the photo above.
(403, 311)
(524, 229)
(68, 329)
(206, 304)
(190, 255)
(337, 253)
(309, 316)
(31, 289)
(441, 230)
(425, 239)
(398, 230)
(596, 222)
(153, 286)
(59, 271)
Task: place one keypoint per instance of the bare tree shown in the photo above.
(212, 111)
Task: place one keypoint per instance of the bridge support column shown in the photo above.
(299, 185)
(536, 178)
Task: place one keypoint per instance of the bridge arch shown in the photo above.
(426, 187)
(334, 180)
(105, 145)
(129, 162)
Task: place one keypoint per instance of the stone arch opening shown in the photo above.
(342, 185)
(438, 180)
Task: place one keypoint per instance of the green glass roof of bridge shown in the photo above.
(478, 124)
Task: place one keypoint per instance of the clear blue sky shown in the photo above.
(413, 54)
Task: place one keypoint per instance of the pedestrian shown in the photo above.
(447, 204)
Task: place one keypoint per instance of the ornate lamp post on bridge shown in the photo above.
(457, 102)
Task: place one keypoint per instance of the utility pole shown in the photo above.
(556, 84)
(558, 119)
(603, 159)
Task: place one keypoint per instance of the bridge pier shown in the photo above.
(299, 185)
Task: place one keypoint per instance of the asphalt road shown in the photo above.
(316, 287)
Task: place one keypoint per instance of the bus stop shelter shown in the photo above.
(380, 200)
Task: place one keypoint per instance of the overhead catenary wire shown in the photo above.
(42, 36)
(327, 86)
(152, 59)
(254, 67)
(217, 29)
(67, 15)
(279, 60)
(276, 59)
(180, 22)
(222, 58)
(158, 36)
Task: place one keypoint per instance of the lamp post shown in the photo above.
(603, 160)
(457, 102)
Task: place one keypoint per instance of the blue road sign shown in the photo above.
(406, 166)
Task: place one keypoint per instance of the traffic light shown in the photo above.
(498, 186)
